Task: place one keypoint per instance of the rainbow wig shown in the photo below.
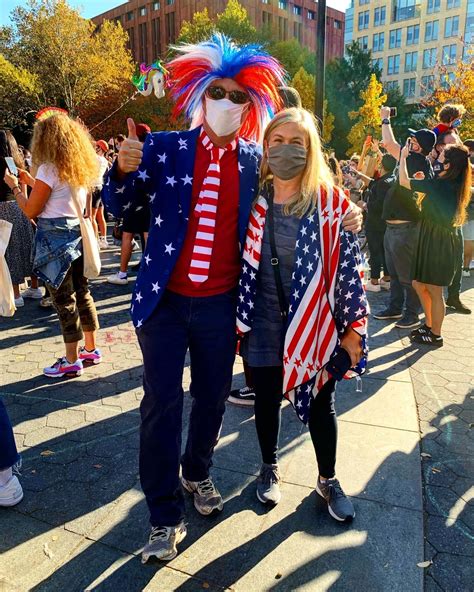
(249, 65)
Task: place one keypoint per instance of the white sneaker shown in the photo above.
(116, 279)
(11, 493)
(384, 285)
(103, 242)
(370, 287)
(466, 273)
(36, 293)
(19, 302)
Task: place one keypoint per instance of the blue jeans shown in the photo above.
(207, 327)
(8, 452)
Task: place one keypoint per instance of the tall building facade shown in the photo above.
(416, 43)
(152, 26)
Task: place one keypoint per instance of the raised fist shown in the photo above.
(131, 151)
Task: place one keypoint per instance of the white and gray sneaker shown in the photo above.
(339, 505)
(268, 489)
(206, 497)
(119, 279)
(163, 542)
(11, 493)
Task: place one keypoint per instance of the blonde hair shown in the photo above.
(66, 144)
(316, 171)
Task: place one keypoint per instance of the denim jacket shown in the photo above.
(57, 245)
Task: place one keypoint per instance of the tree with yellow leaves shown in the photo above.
(305, 84)
(457, 87)
(368, 115)
(19, 94)
(200, 28)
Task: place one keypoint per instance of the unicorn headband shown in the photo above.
(249, 65)
(148, 78)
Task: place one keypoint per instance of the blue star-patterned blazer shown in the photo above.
(166, 177)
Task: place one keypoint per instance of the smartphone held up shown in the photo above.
(11, 165)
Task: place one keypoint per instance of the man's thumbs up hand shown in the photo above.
(131, 151)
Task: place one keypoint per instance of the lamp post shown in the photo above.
(320, 58)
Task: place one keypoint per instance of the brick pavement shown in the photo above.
(83, 518)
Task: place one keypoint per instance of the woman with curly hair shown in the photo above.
(64, 163)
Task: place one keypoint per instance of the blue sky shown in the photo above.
(90, 8)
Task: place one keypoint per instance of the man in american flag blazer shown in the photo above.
(201, 185)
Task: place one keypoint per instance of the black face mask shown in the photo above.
(287, 161)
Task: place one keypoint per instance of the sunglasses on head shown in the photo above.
(216, 93)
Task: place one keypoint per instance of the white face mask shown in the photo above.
(223, 117)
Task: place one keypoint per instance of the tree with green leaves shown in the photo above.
(200, 28)
(19, 94)
(75, 63)
(235, 23)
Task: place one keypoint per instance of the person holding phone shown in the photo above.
(63, 158)
(302, 307)
(443, 211)
(20, 248)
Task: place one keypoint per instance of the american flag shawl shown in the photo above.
(327, 294)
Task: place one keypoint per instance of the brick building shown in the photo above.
(152, 26)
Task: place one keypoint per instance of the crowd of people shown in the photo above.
(249, 238)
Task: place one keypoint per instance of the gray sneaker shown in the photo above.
(162, 542)
(206, 497)
(268, 490)
(339, 506)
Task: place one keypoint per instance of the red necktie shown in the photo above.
(206, 210)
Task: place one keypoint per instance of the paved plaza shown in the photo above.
(405, 455)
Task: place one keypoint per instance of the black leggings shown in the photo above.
(268, 382)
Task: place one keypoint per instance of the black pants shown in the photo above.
(455, 288)
(375, 235)
(268, 382)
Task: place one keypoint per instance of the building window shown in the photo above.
(298, 31)
(282, 4)
(170, 27)
(337, 24)
(433, 6)
(265, 1)
(118, 19)
(453, 4)
(429, 58)
(391, 85)
(156, 37)
(427, 85)
(451, 26)
(363, 2)
(363, 42)
(156, 6)
(449, 55)
(409, 87)
(378, 63)
(431, 31)
(364, 20)
(282, 28)
(411, 61)
(297, 10)
(378, 42)
(142, 11)
(393, 64)
(170, 3)
(266, 18)
(130, 16)
(311, 15)
(395, 38)
(142, 42)
(413, 35)
(446, 80)
(405, 9)
(379, 16)
(131, 39)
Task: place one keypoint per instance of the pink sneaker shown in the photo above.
(64, 368)
(93, 357)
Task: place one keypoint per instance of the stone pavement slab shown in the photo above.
(79, 441)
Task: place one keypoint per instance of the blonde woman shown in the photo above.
(302, 307)
(62, 157)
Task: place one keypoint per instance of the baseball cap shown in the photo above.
(425, 138)
(102, 144)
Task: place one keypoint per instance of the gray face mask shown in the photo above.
(286, 161)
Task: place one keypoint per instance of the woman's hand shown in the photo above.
(26, 178)
(353, 220)
(352, 342)
(405, 151)
(10, 180)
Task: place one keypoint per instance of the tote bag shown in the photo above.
(90, 248)
(7, 299)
